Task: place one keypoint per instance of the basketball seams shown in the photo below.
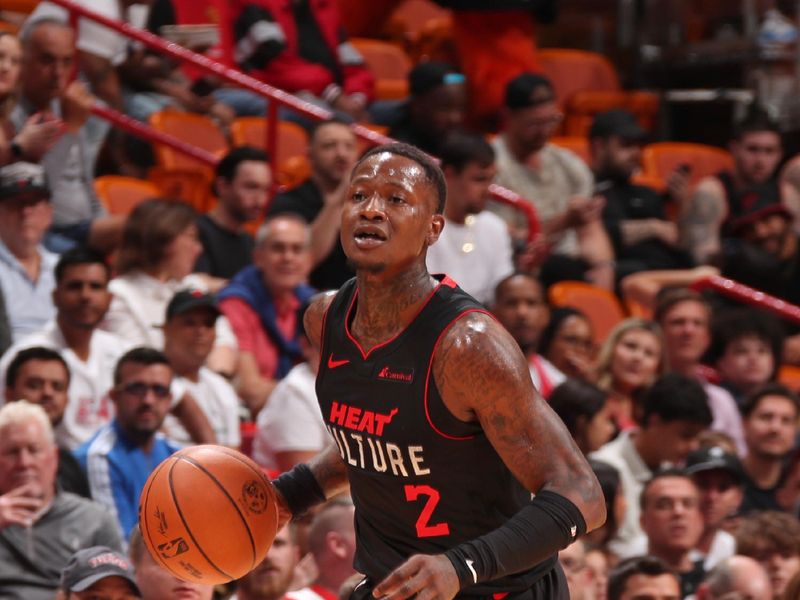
(195, 463)
(143, 521)
(183, 520)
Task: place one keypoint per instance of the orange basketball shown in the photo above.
(208, 514)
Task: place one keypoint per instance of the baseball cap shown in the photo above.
(758, 206)
(23, 179)
(529, 89)
(187, 300)
(88, 566)
(617, 122)
(427, 76)
(712, 458)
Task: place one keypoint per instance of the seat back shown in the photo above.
(789, 376)
(410, 17)
(252, 131)
(601, 307)
(389, 64)
(120, 195)
(662, 158)
(574, 71)
(193, 129)
(577, 144)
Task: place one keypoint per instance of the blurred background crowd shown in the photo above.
(623, 195)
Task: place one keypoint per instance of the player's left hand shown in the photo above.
(423, 577)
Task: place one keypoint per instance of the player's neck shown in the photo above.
(386, 305)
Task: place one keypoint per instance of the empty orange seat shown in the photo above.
(120, 195)
(196, 130)
(389, 64)
(662, 158)
(410, 17)
(789, 376)
(577, 144)
(602, 307)
(586, 83)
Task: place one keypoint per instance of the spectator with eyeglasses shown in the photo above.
(556, 181)
(119, 458)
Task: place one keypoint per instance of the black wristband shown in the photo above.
(549, 523)
(300, 489)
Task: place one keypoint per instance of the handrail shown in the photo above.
(139, 129)
(276, 96)
(753, 297)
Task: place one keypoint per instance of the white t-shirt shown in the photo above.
(139, 307)
(89, 406)
(291, 421)
(217, 400)
(93, 38)
(476, 254)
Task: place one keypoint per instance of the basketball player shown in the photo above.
(438, 428)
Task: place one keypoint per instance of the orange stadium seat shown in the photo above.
(789, 376)
(24, 7)
(194, 129)
(602, 307)
(586, 83)
(252, 131)
(389, 63)
(436, 41)
(120, 195)
(578, 144)
(190, 185)
(662, 158)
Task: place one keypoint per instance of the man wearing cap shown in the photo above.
(26, 268)
(98, 572)
(633, 215)
(189, 334)
(41, 526)
(119, 458)
(719, 477)
(555, 180)
(437, 105)
(332, 152)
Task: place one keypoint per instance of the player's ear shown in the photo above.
(435, 228)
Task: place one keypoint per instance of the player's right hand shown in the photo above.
(422, 577)
(19, 506)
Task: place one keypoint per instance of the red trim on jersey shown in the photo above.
(430, 370)
(322, 334)
(365, 355)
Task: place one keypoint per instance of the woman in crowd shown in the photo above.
(629, 360)
(568, 343)
(159, 248)
(582, 407)
(40, 132)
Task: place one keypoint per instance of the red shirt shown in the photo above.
(251, 335)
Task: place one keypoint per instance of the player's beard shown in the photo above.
(373, 268)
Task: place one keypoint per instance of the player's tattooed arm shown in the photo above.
(700, 220)
(330, 471)
(315, 314)
(481, 374)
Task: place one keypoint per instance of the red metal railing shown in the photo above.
(747, 295)
(276, 96)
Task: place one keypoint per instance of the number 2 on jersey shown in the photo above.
(424, 526)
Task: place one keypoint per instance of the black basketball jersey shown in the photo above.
(743, 201)
(422, 480)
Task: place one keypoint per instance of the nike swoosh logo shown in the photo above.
(472, 570)
(332, 364)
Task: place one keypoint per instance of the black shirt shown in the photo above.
(626, 201)
(422, 481)
(70, 475)
(306, 200)
(225, 252)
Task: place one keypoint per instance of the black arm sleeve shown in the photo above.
(549, 523)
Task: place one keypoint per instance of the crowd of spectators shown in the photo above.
(126, 337)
